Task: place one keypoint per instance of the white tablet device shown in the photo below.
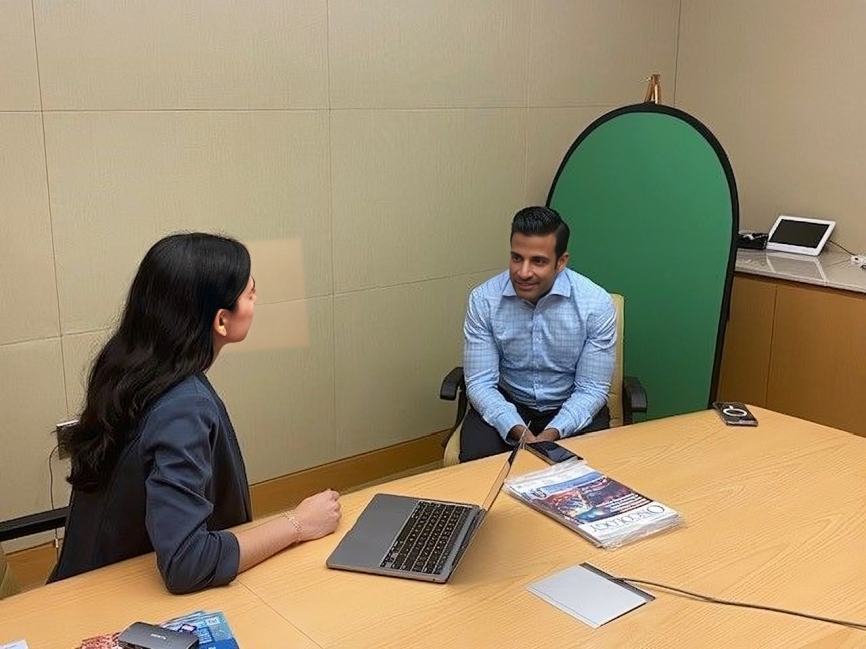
(799, 234)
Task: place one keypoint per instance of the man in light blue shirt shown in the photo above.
(540, 345)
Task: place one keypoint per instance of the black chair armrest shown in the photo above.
(452, 384)
(454, 387)
(15, 528)
(634, 398)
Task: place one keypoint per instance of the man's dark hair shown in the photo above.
(539, 222)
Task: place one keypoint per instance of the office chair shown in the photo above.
(651, 201)
(25, 526)
(626, 396)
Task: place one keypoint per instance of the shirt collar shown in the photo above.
(561, 285)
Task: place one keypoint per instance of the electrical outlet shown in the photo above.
(61, 430)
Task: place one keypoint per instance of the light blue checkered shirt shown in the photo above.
(559, 353)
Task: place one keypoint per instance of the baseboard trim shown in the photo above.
(31, 566)
(283, 493)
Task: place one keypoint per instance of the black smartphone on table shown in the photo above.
(551, 452)
(734, 413)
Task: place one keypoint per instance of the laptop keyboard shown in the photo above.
(426, 538)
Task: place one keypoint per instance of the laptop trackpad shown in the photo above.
(370, 538)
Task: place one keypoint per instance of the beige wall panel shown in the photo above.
(278, 269)
(549, 134)
(182, 54)
(31, 403)
(599, 52)
(119, 181)
(433, 53)
(19, 80)
(393, 348)
(779, 82)
(423, 194)
(27, 289)
(79, 352)
(278, 386)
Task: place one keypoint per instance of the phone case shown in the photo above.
(734, 413)
(539, 454)
(552, 458)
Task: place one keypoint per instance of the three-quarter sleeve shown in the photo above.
(178, 452)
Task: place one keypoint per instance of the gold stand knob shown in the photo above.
(654, 89)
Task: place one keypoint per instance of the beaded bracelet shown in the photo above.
(294, 521)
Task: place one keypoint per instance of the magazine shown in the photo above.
(212, 629)
(597, 507)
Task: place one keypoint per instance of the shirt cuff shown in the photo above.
(564, 423)
(230, 559)
(505, 422)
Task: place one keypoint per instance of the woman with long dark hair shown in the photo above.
(156, 465)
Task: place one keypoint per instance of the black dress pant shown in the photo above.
(479, 439)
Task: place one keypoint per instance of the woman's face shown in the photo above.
(232, 326)
(242, 314)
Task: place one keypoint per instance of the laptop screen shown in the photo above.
(500, 480)
(488, 503)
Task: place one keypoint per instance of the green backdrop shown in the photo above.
(651, 201)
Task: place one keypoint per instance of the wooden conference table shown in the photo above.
(774, 515)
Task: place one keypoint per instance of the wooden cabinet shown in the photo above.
(749, 333)
(797, 349)
(818, 358)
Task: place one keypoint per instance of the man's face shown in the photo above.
(534, 265)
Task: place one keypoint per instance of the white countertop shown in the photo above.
(831, 268)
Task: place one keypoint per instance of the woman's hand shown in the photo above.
(318, 515)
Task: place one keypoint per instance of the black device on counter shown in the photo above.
(752, 240)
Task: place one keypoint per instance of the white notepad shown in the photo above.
(589, 594)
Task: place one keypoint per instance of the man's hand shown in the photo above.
(515, 433)
(547, 435)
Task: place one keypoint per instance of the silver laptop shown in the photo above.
(400, 536)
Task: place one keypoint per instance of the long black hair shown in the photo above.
(165, 335)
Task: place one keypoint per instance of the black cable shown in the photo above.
(51, 477)
(841, 247)
(51, 495)
(761, 607)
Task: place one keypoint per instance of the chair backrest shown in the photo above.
(651, 201)
(7, 583)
